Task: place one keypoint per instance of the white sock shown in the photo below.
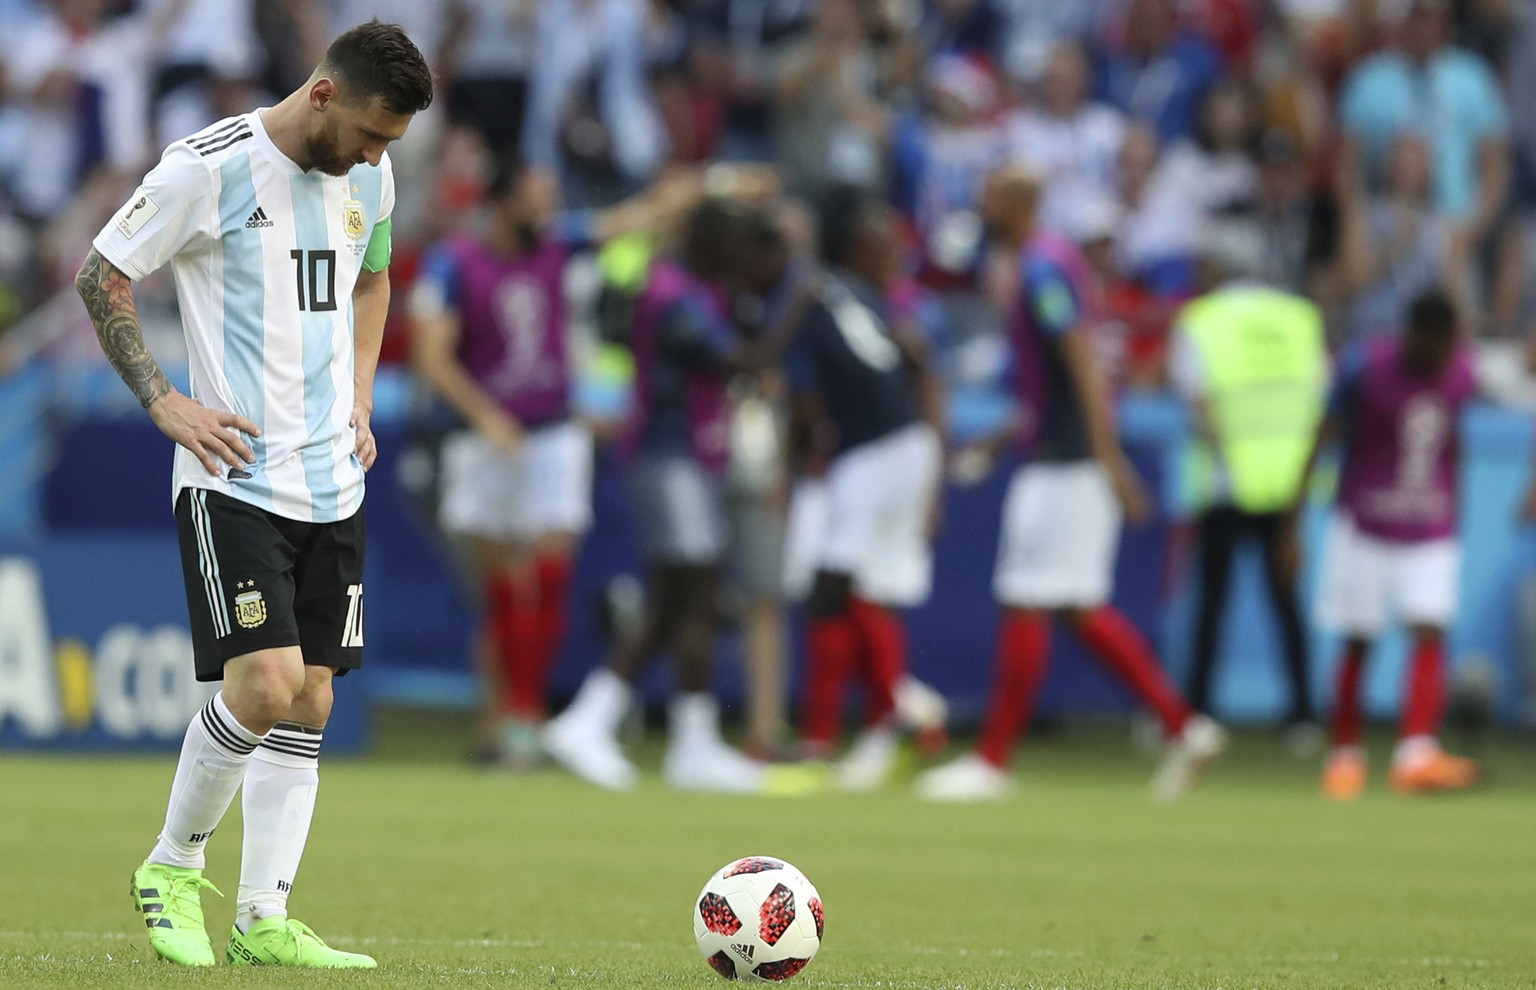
(694, 721)
(279, 803)
(602, 701)
(214, 755)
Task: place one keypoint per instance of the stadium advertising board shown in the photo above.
(95, 652)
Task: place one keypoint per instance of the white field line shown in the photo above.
(1427, 962)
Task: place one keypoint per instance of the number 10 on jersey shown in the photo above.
(314, 295)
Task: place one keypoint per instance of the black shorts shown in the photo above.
(257, 581)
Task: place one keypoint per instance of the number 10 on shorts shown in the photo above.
(352, 631)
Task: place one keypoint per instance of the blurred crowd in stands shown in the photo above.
(1361, 150)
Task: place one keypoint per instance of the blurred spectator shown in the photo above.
(1069, 141)
(690, 119)
(1035, 29)
(1217, 165)
(208, 60)
(1448, 95)
(486, 57)
(1299, 225)
(941, 156)
(1293, 99)
(46, 65)
(735, 45)
(967, 27)
(1396, 245)
(831, 128)
(1156, 71)
(591, 113)
(1231, 25)
(1156, 242)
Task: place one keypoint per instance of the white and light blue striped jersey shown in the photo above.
(265, 257)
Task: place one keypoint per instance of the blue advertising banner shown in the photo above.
(97, 581)
(95, 651)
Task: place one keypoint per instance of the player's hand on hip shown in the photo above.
(211, 435)
(1131, 493)
(366, 448)
(502, 432)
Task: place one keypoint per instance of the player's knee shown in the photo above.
(259, 689)
(829, 596)
(313, 704)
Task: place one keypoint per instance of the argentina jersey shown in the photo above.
(265, 258)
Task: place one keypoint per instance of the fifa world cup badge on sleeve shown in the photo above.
(250, 607)
(141, 210)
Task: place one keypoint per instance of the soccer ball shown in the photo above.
(758, 919)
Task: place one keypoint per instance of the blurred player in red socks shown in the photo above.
(895, 701)
(856, 386)
(491, 338)
(1392, 552)
(1063, 511)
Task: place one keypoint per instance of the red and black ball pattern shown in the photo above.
(821, 920)
(718, 916)
(778, 913)
(781, 969)
(723, 964)
(755, 864)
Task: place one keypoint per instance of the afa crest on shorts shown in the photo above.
(353, 220)
(250, 608)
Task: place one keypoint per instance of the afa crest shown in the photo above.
(250, 609)
(353, 220)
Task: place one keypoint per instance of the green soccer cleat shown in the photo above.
(280, 941)
(170, 898)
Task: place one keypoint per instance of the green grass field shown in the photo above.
(455, 877)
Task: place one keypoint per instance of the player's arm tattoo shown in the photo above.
(108, 295)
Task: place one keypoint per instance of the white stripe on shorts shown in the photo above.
(208, 563)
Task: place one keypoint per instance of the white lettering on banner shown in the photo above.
(28, 690)
(115, 657)
(145, 685)
(142, 679)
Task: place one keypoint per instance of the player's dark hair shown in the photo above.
(509, 171)
(714, 236)
(843, 217)
(376, 61)
(1432, 313)
(761, 233)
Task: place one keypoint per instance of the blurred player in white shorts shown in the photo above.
(856, 386)
(1392, 552)
(1063, 511)
(492, 339)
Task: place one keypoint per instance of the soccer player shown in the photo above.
(1063, 510)
(685, 350)
(276, 225)
(1392, 551)
(491, 339)
(857, 388)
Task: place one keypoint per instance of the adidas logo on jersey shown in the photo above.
(259, 219)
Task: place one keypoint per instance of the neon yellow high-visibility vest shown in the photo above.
(625, 260)
(1266, 374)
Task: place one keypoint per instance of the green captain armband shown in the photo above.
(376, 258)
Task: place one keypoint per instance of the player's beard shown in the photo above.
(325, 156)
